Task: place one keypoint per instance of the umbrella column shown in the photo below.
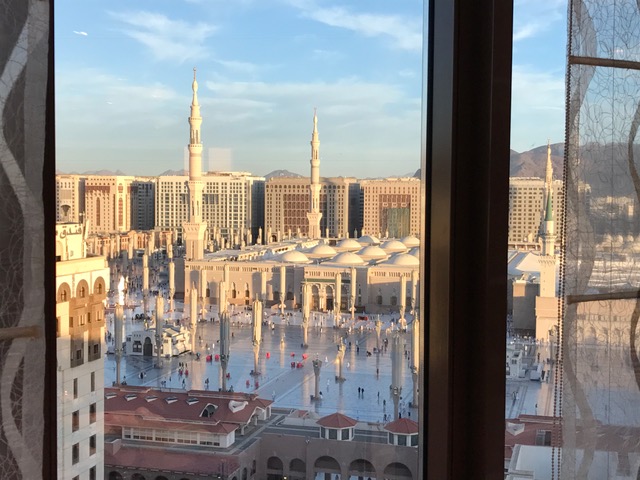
(306, 312)
(193, 314)
(159, 326)
(415, 358)
(402, 322)
(339, 360)
(317, 365)
(257, 334)
(145, 283)
(283, 286)
(352, 294)
(118, 339)
(337, 298)
(224, 347)
(396, 374)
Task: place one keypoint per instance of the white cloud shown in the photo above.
(533, 17)
(167, 39)
(537, 109)
(404, 32)
(83, 34)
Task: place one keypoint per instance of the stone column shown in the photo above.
(224, 347)
(396, 374)
(306, 313)
(415, 358)
(145, 282)
(339, 360)
(337, 297)
(263, 287)
(402, 322)
(257, 334)
(283, 287)
(193, 309)
(378, 330)
(202, 292)
(222, 297)
(117, 323)
(414, 291)
(352, 293)
(172, 283)
(159, 318)
(317, 365)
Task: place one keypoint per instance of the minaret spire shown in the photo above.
(314, 214)
(194, 228)
(548, 179)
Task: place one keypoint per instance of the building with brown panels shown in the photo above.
(108, 203)
(288, 199)
(391, 207)
(81, 289)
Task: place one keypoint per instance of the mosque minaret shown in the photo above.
(314, 214)
(194, 229)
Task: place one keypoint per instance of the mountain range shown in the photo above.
(604, 167)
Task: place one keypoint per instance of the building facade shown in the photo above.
(391, 207)
(143, 193)
(81, 289)
(287, 201)
(108, 203)
(69, 198)
(526, 207)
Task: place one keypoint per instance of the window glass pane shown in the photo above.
(274, 279)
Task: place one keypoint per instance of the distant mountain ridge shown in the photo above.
(282, 173)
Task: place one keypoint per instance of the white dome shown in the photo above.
(368, 240)
(347, 258)
(618, 240)
(394, 246)
(373, 252)
(349, 244)
(629, 239)
(322, 250)
(294, 256)
(410, 241)
(404, 260)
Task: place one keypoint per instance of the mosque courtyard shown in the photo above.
(283, 374)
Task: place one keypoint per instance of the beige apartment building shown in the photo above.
(81, 288)
(69, 198)
(232, 204)
(108, 203)
(526, 205)
(288, 199)
(391, 207)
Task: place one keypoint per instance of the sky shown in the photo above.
(124, 70)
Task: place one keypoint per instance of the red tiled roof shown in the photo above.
(135, 419)
(165, 460)
(336, 420)
(180, 410)
(402, 426)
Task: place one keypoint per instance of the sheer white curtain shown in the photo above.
(24, 30)
(598, 371)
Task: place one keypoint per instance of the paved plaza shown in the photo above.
(289, 387)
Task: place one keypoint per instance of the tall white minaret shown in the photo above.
(548, 178)
(194, 229)
(314, 214)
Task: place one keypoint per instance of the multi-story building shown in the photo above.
(287, 201)
(143, 203)
(108, 203)
(69, 198)
(391, 206)
(81, 288)
(231, 203)
(526, 207)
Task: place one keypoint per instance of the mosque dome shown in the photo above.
(403, 260)
(394, 246)
(348, 244)
(322, 250)
(618, 240)
(347, 258)
(373, 252)
(368, 240)
(294, 256)
(410, 241)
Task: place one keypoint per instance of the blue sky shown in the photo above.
(124, 71)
